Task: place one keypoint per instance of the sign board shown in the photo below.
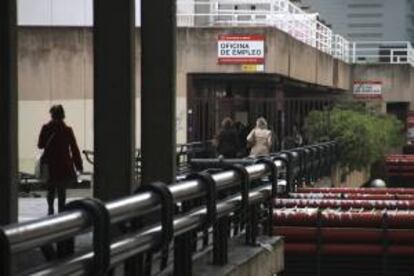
(252, 68)
(410, 127)
(240, 49)
(366, 89)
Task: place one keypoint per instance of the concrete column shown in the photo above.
(8, 112)
(114, 97)
(158, 95)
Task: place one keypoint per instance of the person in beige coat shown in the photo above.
(260, 138)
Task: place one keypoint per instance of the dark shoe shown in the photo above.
(50, 211)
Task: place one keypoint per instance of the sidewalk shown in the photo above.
(36, 207)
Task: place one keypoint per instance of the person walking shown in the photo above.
(227, 140)
(260, 138)
(60, 156)
(242, 133)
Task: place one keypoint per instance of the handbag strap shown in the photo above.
(48, 144)
(50, 140)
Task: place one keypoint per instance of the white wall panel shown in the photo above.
(34, 12)
(71, 12)
(61, 12)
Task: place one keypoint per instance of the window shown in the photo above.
(365, 25)
(366, 5)
(365, 35)
(365, 15)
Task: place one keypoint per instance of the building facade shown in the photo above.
(373, 20)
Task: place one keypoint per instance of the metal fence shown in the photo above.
(184, 154)
(233, 198)
(383, 52)
(281, 14)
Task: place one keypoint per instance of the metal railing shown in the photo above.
(184, 154)
(281, 14)
(382, 52)
(234, 196)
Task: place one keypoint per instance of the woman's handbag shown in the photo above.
(41, 170)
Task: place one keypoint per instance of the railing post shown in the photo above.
(220, 241)
(135, 266)
(100, 218)
(385, 243)
(183, 249)
(285, 159)
(392, 57)
(273, 180)
(353, 52)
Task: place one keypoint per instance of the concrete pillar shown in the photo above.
(158, 95)
(8, 112)
(114, 97)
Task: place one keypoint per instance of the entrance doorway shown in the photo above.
(399, 110)
(246, 97)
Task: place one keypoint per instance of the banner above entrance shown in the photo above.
(240, 49)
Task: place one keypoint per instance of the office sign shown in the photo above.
(240, 49)
(367, 89)
(252, 68)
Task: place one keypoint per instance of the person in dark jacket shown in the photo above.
(242, 132)
(61, 155)
(228, 143)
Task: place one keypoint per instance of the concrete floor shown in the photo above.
(31, 208)
(35, 207)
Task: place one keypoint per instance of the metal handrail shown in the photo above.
(31, 234)
(143, 240)
(383, 52)
(22, 237)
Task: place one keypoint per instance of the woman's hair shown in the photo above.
(57, 112)
(227, 122)
(261, 123)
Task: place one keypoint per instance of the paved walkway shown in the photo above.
(35, 207)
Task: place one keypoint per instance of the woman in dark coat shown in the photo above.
(61, 155)
(228, 144)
